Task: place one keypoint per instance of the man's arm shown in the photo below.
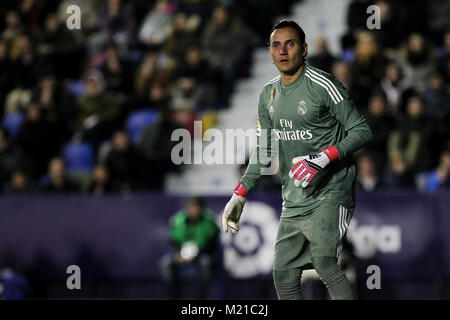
(261, 156)
(260, 159)
(355, 125)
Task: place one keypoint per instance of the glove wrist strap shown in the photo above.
(332, 153)
(240, 190)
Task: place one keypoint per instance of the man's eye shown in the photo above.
(291, 44)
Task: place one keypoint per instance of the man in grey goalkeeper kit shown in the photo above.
(318, 128)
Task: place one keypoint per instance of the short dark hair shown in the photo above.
(287, 23)
(198, 201)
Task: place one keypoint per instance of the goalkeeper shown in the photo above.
(318, 128)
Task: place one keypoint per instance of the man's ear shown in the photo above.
(305, 50)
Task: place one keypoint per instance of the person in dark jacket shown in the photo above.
(408, 150)
(58, 181)
(125, 164)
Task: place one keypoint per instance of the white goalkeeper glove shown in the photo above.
(233, 209)
(305, 168)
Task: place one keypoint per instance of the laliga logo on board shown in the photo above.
(250, 252)
(368, 240)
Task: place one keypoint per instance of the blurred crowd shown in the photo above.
(93, 109)
(399, 77)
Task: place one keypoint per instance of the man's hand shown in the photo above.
(305, 168)
(233, 209)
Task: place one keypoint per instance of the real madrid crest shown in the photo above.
(301, 109)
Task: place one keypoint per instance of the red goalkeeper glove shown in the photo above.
(305, 168)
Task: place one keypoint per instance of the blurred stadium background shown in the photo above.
(86, 176)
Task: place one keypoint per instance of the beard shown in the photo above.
(291, 71)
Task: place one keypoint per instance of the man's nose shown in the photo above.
(283, 50)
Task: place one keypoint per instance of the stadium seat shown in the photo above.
(78, 156)
(138, 120)
(12, 122)
(75, 88)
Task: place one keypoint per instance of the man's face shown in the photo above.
(193, 210)
(120, 142)
(56, 168)
(286, 50)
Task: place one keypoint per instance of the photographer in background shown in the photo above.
(194, 237)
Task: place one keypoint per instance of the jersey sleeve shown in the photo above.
(261, 156)
(342, 108)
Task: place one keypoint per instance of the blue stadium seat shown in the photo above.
(138, 120)
(12, 122)
(75, 88)
(78, 156)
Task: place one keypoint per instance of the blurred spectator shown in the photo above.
(407, 144)
(226, 41)
(36, 138)
(393, 85)
(194, 238)
(58, 181)
(56, 45)
(56, 105)
(155, 27)
(17, 100)
(437, 101)
(323, 59)
(47, 94)
(182, 36)
(156, 145)
(367, 67)
(10, 157)
(356, 14)
(153, 69)
(200, 9)
(437, 98)
(195, 66)
(341, 71)
(100, 181)
(19, 183)
(391, 32)
(186, 95)
(381, 124)
(99, 109)
(439, 179)
(440, 11)
(13, 26)
(367, 179)
(25, 64)
(117, 71)
(157, 98)
(116, 24)
(417, 63)
(126, 165)
(33, 12)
